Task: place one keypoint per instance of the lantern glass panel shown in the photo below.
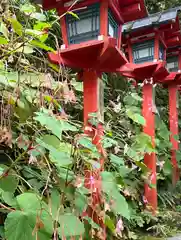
(143, 51)
(112, 25)
(87, 27)
(172, 64)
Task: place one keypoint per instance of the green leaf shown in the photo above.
(176, 137)
(108, 182)
(1, 170)
(136, 117)
(80, 201)
(54, 125)
(38, 16)
(73, 14)
(8, 183)
(40, 26)
(55, 203)
(178, 156)
(9, 199)
(54, 67)
(136, 97)
(4, 30)
(27, 49)
(124, 171)
(167, 168)
(29, 202)
(27, 8)
(51, 140)
(66, 174)
(70, 225)
(57, 144)
(60, 158)
(2, 232)
(2, 66)
(57, 156)
(116, 160)
(109, 142)
(78, 86)
(87, 143)
(41, 45)
(17, 27)
(109, 223)
(34, 32)
(141, 165)
(120, 205)
(92, 223)
(50, 122)
(131, 153)
(37, 34)
(23, 225)
(3, 41)
(109, 186)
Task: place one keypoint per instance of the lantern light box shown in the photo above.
(144, 52)
(172, 63)
(87, 27)
(173, 66)
(174, 59)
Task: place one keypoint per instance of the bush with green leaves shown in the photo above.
(44, 151)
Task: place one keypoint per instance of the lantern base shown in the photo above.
(101, 55)
(140, 72)
(172, 77)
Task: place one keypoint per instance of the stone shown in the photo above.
(175, 238)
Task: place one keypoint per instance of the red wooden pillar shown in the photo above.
(150, 159)
(173, 118)
(93, 103)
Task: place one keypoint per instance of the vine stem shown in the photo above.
(7, 208)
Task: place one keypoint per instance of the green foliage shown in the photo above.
(70, 225)
(45, 154)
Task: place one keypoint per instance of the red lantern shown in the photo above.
(145, 43)
(91, 31)
(172, 81)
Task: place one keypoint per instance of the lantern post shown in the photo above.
(173, 120)
(173, 40)
(145, 45)
(172, 81)
(92, 43)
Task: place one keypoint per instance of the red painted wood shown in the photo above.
(156, 49)
(130, 4)
(104, 18)
(115, 8)
(130, 52)
(156, 70)
(90, 79)
(173, 119)
(173, 41)
(179, 60)
(99, 53)
(150, 160)
(64, 31)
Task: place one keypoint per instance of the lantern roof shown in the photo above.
(153, 20)
(130, 9)
(133, 9)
